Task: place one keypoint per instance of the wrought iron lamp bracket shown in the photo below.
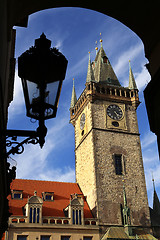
(16, 147)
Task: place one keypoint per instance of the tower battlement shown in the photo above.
(101, 91)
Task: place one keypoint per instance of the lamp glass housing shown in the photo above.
(34, 101)
(42, 70)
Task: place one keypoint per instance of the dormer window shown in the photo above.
(76, 217)
(75, 209)
(105, 59)
(17, 194)
(33, 209)
(48, 196)
(34, 215)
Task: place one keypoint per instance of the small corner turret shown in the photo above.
(73, 101)
(74, 97)
(133, 88)
(132, 82)
(90, 74)
(156, 202)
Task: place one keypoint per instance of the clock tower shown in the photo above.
(107, 145)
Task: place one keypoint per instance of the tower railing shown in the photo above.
(20, 220)
(95, 90)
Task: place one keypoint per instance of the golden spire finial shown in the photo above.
(89, 55)
(101, 39)
(153, 180)
(96, 48)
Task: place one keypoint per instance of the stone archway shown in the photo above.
(142, 18)
(138, 17)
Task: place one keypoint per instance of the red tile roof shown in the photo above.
(3, 236)
(62, 192)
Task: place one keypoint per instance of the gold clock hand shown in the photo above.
(116, 113)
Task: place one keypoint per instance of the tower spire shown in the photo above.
(103, 71)
(90, 74)
(156, 203)
(132, 82)
(74, 97)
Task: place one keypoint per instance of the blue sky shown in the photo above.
(74, 32)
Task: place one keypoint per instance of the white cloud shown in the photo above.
(149, 173)
(152, 172)
(33, 164)
(59, 44)
(151, 163)
(68, 175)
(130, 54)
(142, 78)
(79, 67)
(17, 105)
(148, 139)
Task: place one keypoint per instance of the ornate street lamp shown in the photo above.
(42, 70)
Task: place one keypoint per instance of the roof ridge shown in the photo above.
(43, 180)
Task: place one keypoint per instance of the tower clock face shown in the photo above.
(114, 112)
(82, 121)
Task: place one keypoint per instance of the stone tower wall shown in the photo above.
(95, 167)
(84, 156)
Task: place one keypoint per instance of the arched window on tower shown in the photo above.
(119, 163)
